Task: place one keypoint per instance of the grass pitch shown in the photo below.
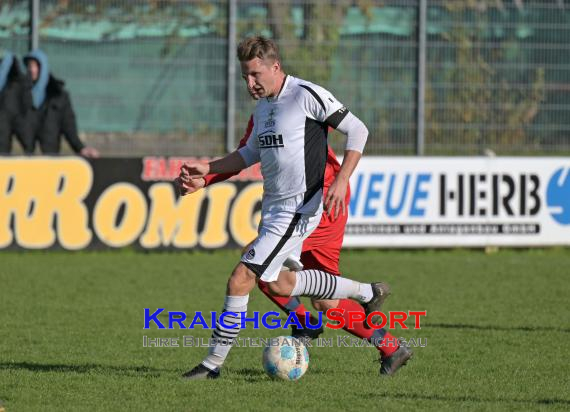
(497, 332)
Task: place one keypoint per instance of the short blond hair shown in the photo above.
(257, 46)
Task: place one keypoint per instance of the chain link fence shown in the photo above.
(150, 77)
(499, 77)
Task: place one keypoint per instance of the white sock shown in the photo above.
(323, 285)
(218, 353)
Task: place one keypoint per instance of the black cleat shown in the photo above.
(201, 372)
(306, 334)
(390, 364)
(380, 291)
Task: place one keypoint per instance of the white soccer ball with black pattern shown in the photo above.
(285, 358)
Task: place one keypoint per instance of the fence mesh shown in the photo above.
(149, 77)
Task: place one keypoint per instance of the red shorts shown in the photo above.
(321, 250)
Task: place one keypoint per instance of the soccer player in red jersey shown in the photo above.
(321, 251)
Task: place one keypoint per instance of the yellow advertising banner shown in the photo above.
(74, 204)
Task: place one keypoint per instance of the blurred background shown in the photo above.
(157, 78)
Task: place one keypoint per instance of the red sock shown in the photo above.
(387, 342)
(287, 304)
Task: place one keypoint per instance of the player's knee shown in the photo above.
(274, 288)
(322, 305)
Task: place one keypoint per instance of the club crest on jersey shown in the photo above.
(267, 141)
(271, 121)
(250, 255)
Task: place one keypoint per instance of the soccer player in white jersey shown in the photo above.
(291, 122)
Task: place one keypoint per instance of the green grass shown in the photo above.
(71, 326)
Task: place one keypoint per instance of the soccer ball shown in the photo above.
(285, 358)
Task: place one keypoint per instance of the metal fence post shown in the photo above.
(34, 40)
(231, 79)
(421, 78)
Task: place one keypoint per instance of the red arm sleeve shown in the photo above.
(215, 178)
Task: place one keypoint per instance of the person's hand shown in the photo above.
(188, 188)
(335, 197)
(193, 170)
(89, 152)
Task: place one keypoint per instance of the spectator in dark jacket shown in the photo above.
(15, 102)
(52, 114)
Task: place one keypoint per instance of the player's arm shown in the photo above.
(234, 162)
(356, 136)
(186, 188)
(212, 178)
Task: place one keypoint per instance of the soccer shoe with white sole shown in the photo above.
(390, 364)
(201, 372)
(380, 291)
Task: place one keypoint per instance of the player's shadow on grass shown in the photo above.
(495, 327)
(84, 368)
(407, 396)
(252, 375)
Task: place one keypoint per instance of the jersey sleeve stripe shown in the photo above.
(315, 95)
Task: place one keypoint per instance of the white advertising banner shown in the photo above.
(459, 201)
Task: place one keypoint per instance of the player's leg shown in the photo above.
(287, 304)
(311, 283)
(322, 251)
(326, 258)
(279, 237)
(241, 282)
(290, 304)
(319, 284)
(392, 354)
(323, 285)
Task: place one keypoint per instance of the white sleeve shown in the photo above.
(355, 131)
(250, 152)
(319, 104)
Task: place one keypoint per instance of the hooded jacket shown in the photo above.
(52, 114)
(15, 102)
(15, 97)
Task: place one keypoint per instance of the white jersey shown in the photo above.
(290, 140)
